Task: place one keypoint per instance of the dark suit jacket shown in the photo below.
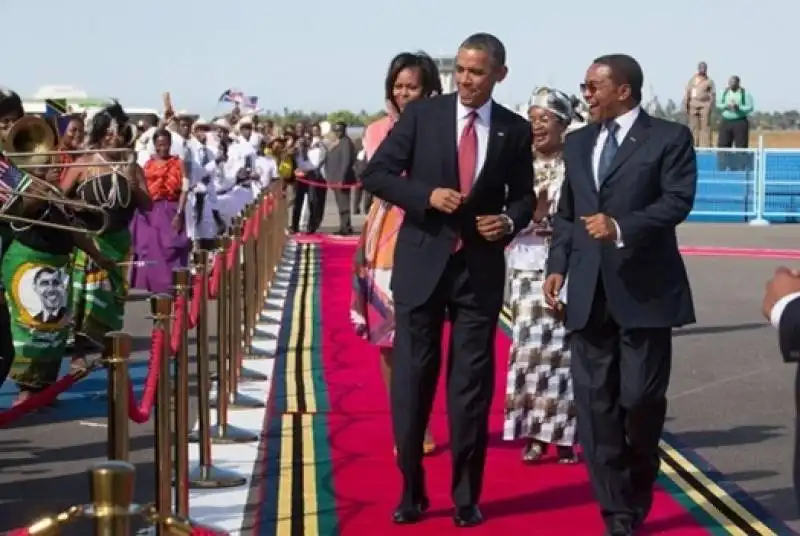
(423, 145)
(649, 190)
(789, 332)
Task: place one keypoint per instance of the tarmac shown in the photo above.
(731, 396)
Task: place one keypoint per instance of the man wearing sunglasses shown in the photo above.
(630, 180)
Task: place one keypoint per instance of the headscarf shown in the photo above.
(563, 106)
(112, 118)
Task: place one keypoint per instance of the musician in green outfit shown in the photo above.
(34, 273)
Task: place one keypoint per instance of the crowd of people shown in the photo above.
(150, 194)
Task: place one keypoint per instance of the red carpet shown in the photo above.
(517, 499)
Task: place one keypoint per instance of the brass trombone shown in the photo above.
(30, 147)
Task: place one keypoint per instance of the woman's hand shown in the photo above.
(177, 222)
(542, 209)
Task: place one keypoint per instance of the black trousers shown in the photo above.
(317, 195)
(416, 362)
(734, 133)
(300, 193)
(342, 196)
(6, 342)
(620, 378)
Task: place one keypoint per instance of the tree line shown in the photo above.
(761, 120)
(354, 119)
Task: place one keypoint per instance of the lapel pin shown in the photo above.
(501, 133)
(633, 139)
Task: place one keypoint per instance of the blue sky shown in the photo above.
(195, 49)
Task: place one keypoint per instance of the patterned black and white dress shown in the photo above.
(539, 397)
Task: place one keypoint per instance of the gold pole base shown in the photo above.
(226, 436)
(238, 401)
(213, 477)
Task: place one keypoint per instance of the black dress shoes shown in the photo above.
(620, 526)
(405, 515)
(467, 516)
(643, 506)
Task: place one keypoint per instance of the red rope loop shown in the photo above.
(328, 185)
(232, 252)
(25, 532)
(205, 531)
(247, 230)
(179, 310)
(257, 218)
(140, 413)
(43, 398)
(194, 309)
(216, 275)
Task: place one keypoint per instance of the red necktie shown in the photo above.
(467, 159)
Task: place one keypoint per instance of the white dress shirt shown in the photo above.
(267, 170)
(205, 226)
(253, 141)
(625, 122)
(780, 306)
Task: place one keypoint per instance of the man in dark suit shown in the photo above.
(630, 180)
(460, 167)
(781, 307)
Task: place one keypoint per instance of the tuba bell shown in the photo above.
(31, 142)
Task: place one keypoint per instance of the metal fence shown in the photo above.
(759, 186)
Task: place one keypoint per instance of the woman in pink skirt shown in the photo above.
(410, 77)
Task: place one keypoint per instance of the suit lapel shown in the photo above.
(636, 137)
(449, 144)
(587, 150)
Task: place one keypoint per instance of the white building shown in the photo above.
(447, 69)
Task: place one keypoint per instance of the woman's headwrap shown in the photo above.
(112, 118)
(565, 107)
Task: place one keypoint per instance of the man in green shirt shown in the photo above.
(735, 105)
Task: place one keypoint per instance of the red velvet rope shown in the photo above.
(232, 252)
(205, 531)
(216, 275)
(140, 413)
(328, 185)
(177, 323)
(43, 398)
(257, 218)
(247, 229)
(194, 310)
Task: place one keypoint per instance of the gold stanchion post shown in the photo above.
(249, 299)
(111, 487)
(223, 432)
(161, 309)
(236, 399)
(180, 281)
(205, 475)
(117, 348)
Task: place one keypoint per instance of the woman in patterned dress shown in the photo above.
(539, 399)
(410, 77)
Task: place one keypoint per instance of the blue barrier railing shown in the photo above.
(758, 186)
